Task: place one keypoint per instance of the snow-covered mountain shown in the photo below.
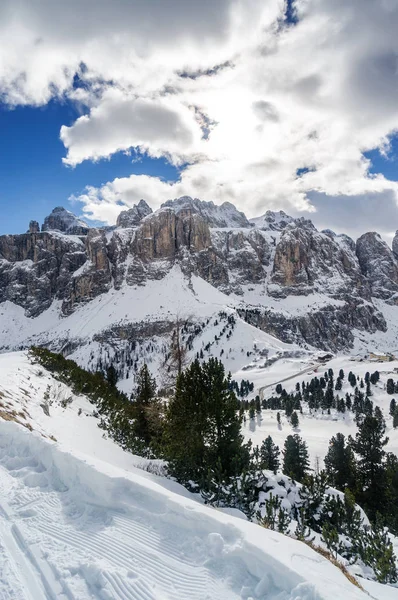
(105, 291)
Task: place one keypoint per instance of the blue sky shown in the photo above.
(278, 89)
(33, 178)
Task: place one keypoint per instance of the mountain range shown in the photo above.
(68, 285)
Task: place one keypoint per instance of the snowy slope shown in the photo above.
(78, 521)
(316, 429)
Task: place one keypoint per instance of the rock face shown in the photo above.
(133, 216)
(225, 215)
(270, 263)
(62, 220)
(307, 261)
(379, 265)
(34, 227)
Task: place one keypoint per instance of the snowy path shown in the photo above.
(302, 372)
(71, 532)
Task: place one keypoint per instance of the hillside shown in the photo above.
(79, 520)
(81, 289)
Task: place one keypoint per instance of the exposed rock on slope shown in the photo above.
(379, 265)
(308, 261)
(133, 216)
(62, 220)
(270, 262)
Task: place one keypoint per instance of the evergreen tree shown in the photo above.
(390, 386)
(203, 426)
(111, 376)
(369, 446)
(341, 374)
(395, 419)
(295, 457)
(269, 455)
(393, 406)
(340, 463)
(143, 396)
(294, 420)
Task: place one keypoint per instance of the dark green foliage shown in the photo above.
(302, 531)
(295, 457)
(374, 378)
(294, 420)
(330, 537)
(340, 463)
(369, 445)
(341, 374)
(393, 406)
(338, 385)
(275, 517)
(202, 432)
(375, 549)
(269, 455)
(390, 387)
(111, 375)
(146, 425)
(117, 413)
(395, 419)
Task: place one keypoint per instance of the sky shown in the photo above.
(269, 105)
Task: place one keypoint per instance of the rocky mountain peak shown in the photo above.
(65, 221)
(395, 245)
(225, 215)
(379, 265)
(272, 221)
(133, 216)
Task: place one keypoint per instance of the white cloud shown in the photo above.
(160, 127)
(315, 95)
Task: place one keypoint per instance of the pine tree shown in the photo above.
(390, 387)
(395, 419)
(340, 463)
(143, 396)
(295, 457)
(393, 406)
(294, 420)
(369, 446)
(269, 455)
(203, 425)
(341, 374)
(111, 375)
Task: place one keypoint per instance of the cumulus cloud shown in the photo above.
(255, 111)
(160, 127)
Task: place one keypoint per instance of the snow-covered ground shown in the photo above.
(317, 429)
(79, 520)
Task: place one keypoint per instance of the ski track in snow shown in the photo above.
(68, 532)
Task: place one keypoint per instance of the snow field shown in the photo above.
(79, 520)
(318, 428)
(71, 531)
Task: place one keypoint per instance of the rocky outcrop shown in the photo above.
(34, 227)
(275, 256)
(133, 216)
(225, 215)
(94, 277)
(307, 261)
(329, 328)
(379, 266)
(35, 268)
(62, 220)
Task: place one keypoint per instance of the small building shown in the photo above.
(381, 357)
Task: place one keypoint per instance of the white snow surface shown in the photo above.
(79, 520)
(316, 428)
